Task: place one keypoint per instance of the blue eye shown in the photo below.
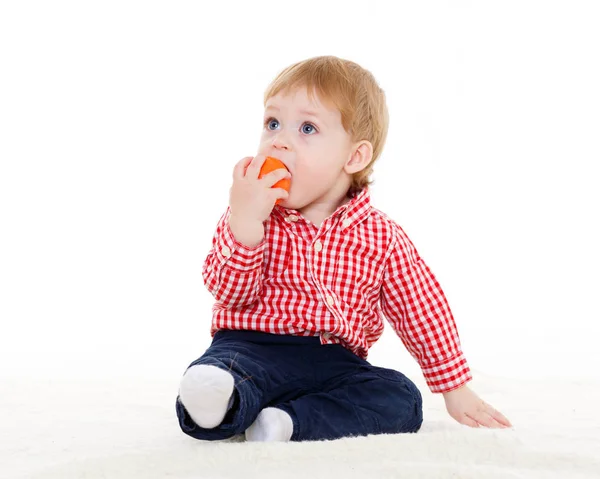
(273, 124)
(304, 130)
(270, 122)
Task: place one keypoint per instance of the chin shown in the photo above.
(286, 204)
(292, 202)
(290, 205)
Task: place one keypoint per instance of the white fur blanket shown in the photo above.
(126, 428)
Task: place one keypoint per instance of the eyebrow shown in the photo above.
(303, 112)
(310, 113)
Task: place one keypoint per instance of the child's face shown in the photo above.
(308, 137)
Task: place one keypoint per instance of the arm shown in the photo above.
(232, 271)
(415, 305)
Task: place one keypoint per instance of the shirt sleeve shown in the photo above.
(232, 272)
(415, 305)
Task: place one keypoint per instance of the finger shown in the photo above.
(274, 176)
(255, 165)
(497, 416)
(486, 420)
(468, 421)
(495, 424)
(281, 195)
(240, 168)
(501, 418)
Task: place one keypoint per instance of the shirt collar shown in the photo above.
(350, 213)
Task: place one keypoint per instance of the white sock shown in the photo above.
(205, 392)
(272, 424)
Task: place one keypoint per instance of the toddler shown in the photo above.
(303, 279)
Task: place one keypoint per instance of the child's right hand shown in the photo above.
(251, 198)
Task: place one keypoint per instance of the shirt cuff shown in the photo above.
(236, 255)
(447, 376)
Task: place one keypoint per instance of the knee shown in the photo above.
(414, 418)
(413, 422)
(407, 409)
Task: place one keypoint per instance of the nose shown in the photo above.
(280, 142)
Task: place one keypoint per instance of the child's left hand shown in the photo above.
(469, 409)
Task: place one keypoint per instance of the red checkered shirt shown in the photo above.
(335, 281)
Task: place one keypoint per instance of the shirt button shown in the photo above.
(326, 336)
(346, 223)
(330, 301)
(225, 251)
(292, 218)
(318, 246)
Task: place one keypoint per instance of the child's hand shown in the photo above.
(251, 198)
(469, 409)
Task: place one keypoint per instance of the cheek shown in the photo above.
(307, 174)
(264, 138)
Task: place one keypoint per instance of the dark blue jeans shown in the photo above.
(328, 391)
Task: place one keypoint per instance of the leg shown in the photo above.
(222, 392)
(372, 401)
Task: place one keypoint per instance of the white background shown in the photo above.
(120, 123)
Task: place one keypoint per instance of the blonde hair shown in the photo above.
(353, 91)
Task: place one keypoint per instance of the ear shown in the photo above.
(360, 156)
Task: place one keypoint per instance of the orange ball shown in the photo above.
(272, 164)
